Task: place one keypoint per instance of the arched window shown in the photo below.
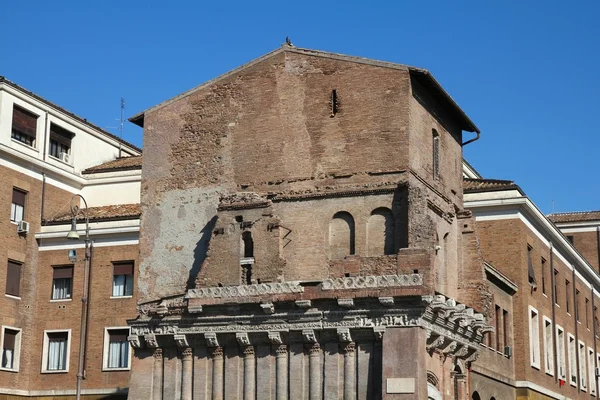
(246, 257)
(475, 396)
(436, 154)
(341, 235)
(380, 232)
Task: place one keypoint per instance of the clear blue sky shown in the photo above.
(525, 72)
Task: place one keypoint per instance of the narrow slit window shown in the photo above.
(436, 154)
(334, 103)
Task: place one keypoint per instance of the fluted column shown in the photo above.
(217, 381)
(157, 374)
(314, 364)
(249, 373)
(186, 375)
(349, 371)
(282, 372)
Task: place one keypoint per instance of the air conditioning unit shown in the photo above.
(23, 227)
(65, 157)
(508, 351)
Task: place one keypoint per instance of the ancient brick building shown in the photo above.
(304, 237)
(47, 156)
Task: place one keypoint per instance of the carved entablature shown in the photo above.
(275, 337)
(309, 336)
(242, 339)
(181, 341)
(211, 339)
(370, 282)
(151, 341)
(259, 289)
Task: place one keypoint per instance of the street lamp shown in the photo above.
(85, 304)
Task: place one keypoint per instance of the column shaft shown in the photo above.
(349, 371)
(157, 375)
(314, 365)
(249, 373)
(187, 374)
(282, 372)
(217, 381)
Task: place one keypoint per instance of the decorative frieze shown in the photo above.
(386, 301)
(369, 282)
(303, 303)
(346, 303)
(246, 290)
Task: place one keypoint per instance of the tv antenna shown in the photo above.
(121, 125)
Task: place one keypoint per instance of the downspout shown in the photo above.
(575, 312)
(553, 283)
(595, 349)
(43, 220)
(598, 248)
(45, 137)
(472, 140)
(87, 309)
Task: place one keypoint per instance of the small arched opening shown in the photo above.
(341, 235)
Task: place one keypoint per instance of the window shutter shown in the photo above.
(55, 336)
(24, 121)
(9, 339)
(63, 272)
(123, 268)
(18, 197)
(13, 278)
(118, 336)
(61, 135)
(531, 273)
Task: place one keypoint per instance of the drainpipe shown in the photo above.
(472, 140)
(575, 312)
(553, 283)
(598, 248)
(45, 136)
(595, 349)
(43, 220)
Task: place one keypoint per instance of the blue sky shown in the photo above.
(525, 72)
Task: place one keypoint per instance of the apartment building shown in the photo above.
(543, 272)
(51, 159)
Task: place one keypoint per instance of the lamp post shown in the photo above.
(74, 235)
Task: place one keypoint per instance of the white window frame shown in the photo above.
(17, 355)
(548, 347)
(45, 369)
(591, 371)
(572, 363)
(560, 353)
(106, 348)
(582, 366)
(534, 337)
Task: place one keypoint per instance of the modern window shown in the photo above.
(62, 283)
(591, 371)
(560, 357)
(530, 269)
(556, 286)
(122, 279)
(57, 346)
(587, 313)
(13, 279)
(17, 208)
(436, 154)
(11, 348)
(582, 367)
(60, 142)
(548, 347)
(572, 350)
(577, 305)
(497, 327)
(24, 126)
(567, 294)
(534, 337)
(543, 276)
(117, 351)
(505, 327)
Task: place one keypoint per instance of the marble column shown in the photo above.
(314, 364)
(349, 370)
(217, 381)
(282, 372)
(157, 374)
(249, 373)
(187, 375)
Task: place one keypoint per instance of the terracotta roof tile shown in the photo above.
(119, 211)
(575, 216)
(486, 185)
(120, 164)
